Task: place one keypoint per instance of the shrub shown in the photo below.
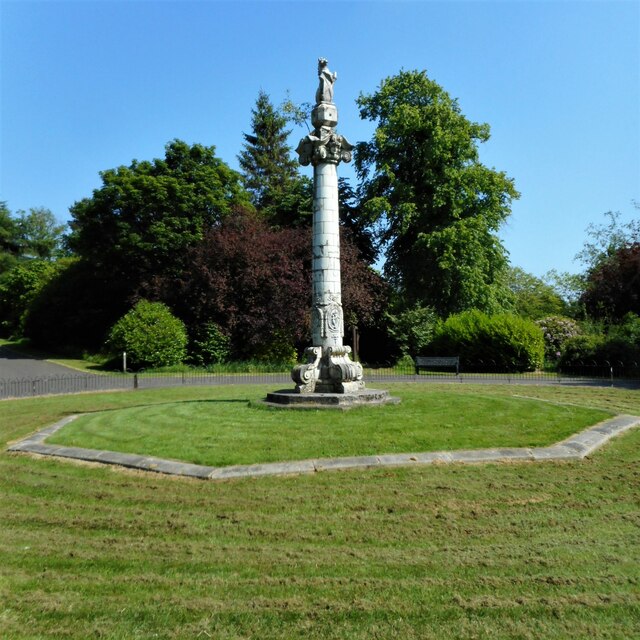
(582, 349)
(620, 348)
(150, 334)
(278, 350)
(502, 342)
(412, 330)
(209, 346)
(556, 331)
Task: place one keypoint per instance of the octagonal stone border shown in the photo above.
(575, 447)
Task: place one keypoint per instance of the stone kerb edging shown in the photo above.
(574, 448)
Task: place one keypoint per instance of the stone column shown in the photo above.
(326, 322)
(329, 368)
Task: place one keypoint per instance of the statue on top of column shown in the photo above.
(325, 88)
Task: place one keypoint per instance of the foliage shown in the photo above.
(9, 241)
(74, 309)
(278, 350)
(269, 172)
(354, 222)
(142, 219)
(613, 284)
(619, 346)
(556, 331)
(150, 334)
(249, 279)
(628, 329)
(136, 226)
(39, 234)
(502, 342)
(18, 289)
(412, 329)
(605, 240)
(533, 298)
(253, 281)
(209, 345)
(437, 207)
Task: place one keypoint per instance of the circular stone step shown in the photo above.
(287, 399)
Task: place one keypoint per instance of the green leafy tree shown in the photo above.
(144, 216)
(532, 297)
(412, 329)
(18, 289)
(437, 207)
(612, 279)
(150, 335)
(9, 240)
(137, 226)
(40, 235)
(353, 221)
(270, 173)
(604, 240)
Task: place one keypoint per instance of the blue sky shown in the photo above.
(91, 85)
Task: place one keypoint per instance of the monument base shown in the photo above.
(328, 370)
(289, 399)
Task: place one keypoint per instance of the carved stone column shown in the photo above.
(329, 368)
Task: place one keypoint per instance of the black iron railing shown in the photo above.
(590, 373)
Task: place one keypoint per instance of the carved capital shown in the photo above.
(327, 147)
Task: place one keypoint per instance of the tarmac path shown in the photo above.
(17, 366)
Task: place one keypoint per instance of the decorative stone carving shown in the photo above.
(306, 375)
(331, 147)
(326, 78)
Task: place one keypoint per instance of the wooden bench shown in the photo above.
(437, 363)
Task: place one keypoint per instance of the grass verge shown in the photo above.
(222, 429)
(495, 551)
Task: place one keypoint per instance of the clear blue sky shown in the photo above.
(88, 86)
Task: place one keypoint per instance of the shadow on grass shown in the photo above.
(245, 401)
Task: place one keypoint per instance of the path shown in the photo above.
(17, 366)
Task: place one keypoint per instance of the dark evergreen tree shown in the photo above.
(270, 173)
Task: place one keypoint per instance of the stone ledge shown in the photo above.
(288, 399)
(574, 448)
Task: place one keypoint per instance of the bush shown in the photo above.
(209, 346)
(502, 342)
(556, 331)
(150, 334)
(620, 348)
(583, 349)
(412, 330)
(278, 350)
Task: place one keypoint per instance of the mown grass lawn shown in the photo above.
(486, 551)
(223, 429)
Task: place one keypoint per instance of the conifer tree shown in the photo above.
(270, 173)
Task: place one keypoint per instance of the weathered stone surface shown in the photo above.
(556, 452)
(346, 463)
(256, 470)
(291, 399)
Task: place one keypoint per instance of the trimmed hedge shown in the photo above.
(502, 342)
